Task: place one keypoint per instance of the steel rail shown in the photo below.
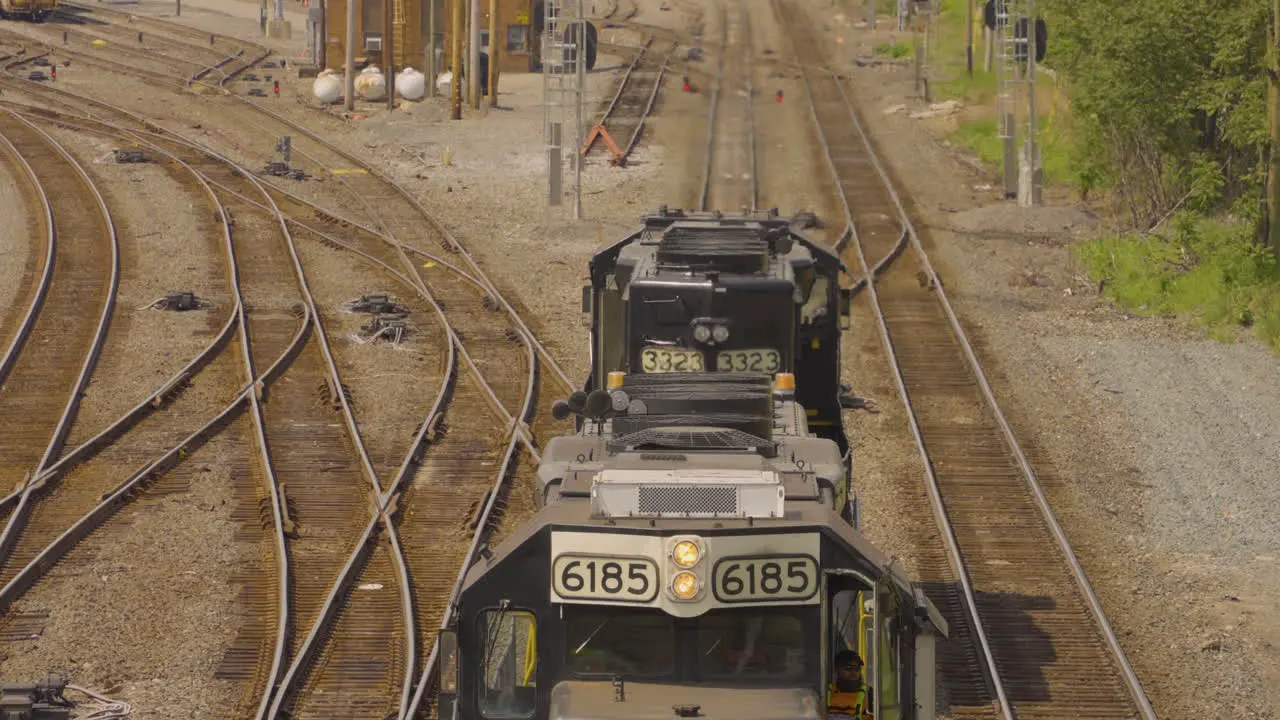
(281, 691)
(516, 425)
(120, 426)
(429, 669)
(990, 671)
(451, 241)
(1134, 685)
(42, 288)
(91, 446)
(648, 108)
(617, 95)
(709, 156)
(63, 426)
(386, 499)
(749, 66)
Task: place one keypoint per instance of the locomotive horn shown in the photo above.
(560, 410)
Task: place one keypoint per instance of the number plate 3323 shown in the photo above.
(763, 579)
(604, 578)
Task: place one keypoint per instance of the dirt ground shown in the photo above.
(15, 227)
(1155, 444)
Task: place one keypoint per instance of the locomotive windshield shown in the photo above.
(720, 646)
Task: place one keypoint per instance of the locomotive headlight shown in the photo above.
(720, 333)
(702, 333)
(686, 553)
(685, 585)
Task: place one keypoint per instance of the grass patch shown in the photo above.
(1207, 269)
(981, 137)
(897, 50)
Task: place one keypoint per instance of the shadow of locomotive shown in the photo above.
(1023, 650)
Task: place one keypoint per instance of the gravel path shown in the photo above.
(16, 231)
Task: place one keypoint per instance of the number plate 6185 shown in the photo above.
(604, 578)
(768, 578)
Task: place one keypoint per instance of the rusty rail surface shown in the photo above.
(86, 274)
(522, 334)
(1025, 605)
(724, 186)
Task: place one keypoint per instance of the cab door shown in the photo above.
(887, 651)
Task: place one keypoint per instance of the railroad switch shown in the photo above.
(40, 62)
(131, 156)
(251, 77)
(279, 169)
(376, 305)
(36, 76)
(389, 327)
(693, 55)
(181, 301)
(270, 65)
(42, 701)
(257, 92)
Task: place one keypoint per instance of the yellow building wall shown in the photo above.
(412, 26)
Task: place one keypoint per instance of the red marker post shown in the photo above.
(276, 88)
(779, 95)
(53, 73)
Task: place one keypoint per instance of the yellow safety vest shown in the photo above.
(847, 703)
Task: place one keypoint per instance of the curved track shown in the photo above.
(487, 324)
(57, 350)
(1023, 610)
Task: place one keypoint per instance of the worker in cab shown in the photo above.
(848, 696)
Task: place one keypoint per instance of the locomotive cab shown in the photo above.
(685, 563)
(588, 616)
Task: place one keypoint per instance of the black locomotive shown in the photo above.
(695, 292)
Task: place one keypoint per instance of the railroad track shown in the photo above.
(293, 691)
(624, 117)
(729, 181)
(1023, 606)
(47, 366)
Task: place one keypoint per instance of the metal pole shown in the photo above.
(493, 52)
(388, 50)
(179, 11)
(322, 59)
(456, 61)
(1029, 161)
(429, 62)
(1272, 224)
(473, 73)
(968, 34)
(581, 64)
(349, 79)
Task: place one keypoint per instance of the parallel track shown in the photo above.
(1024, 611)
(729, 182)
(512, 400)
(57, 351)
(625, 116)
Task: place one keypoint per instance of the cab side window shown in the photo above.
(509, 663)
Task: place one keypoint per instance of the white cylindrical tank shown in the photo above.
(327, 87)
(370, 84)
(411, 84)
